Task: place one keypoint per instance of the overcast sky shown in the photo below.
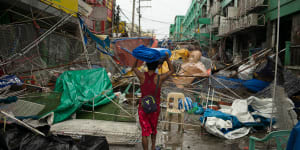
(158, 17)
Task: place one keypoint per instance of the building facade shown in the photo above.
(100, 20)
(242, 27)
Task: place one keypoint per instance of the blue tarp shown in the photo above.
(199, 110)
(294, 139)
(149, 54)
(105, 44)
(253, 85)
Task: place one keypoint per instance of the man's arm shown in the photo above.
(137, 72)
(170, 72)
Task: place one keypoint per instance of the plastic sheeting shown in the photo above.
(262, 107)
(79, 88)
(150, 54)
(181, 54)
(234, 122)
(193, 67)
(215, 126)
(190, 69)
(253, 85)
(17, 137)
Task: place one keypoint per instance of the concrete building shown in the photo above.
(100, 20)
(242, 27)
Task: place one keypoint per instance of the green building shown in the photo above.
(171, 31)
(178, 28)
(192, 22)
(241, 27)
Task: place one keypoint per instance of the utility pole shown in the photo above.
(140, 18)
(140, 15)
(133, 13)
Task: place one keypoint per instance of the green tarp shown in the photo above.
(78, 90)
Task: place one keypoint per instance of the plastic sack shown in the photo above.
(246, 71)
(9, 80)
(190, 69)
(181, 54)
(187, 104)
(199, 110)
(150, 54)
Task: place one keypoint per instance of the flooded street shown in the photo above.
(194, 138)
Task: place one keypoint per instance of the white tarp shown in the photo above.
(262, 107)
(214, 125)
(239, 109)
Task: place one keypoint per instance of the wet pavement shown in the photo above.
(193, 138)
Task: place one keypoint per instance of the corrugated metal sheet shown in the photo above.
(115, 132)
(22, 108)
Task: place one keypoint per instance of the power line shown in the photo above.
(124, 14)
(156, 20)
(146, 18)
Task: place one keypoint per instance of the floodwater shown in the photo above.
(193, 138)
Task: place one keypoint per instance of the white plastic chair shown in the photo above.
(172, 108)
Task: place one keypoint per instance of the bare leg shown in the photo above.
(145, 142)
(153, 140)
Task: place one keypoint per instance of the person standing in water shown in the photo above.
(148, 81)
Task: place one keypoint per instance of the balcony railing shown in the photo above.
(232, 25)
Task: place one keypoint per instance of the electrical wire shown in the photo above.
(156, 20)
(121, 10)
